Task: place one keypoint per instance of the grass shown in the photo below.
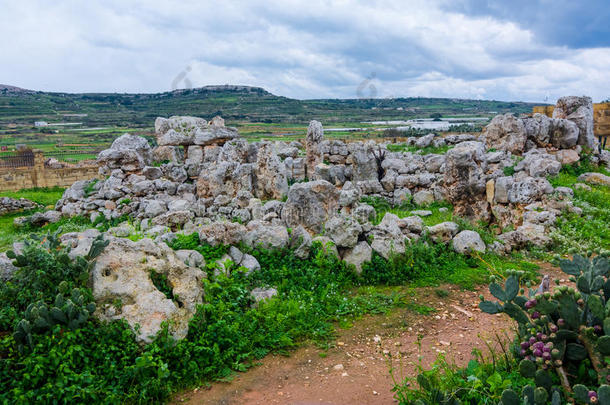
(45, 196)
(41, 195)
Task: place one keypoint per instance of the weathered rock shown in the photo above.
(310, 204)
(343, 230)
(7, 269)
(424, 141)
(300, 242)
(327, 245)
(467, 242)
(544, 166)
(191, 257)
(174, 218)
(9, 205)
(567, 156)
(215, 135)
(222, 233)
(123, 272)
(387, 237)
(259, 294)
(465, 180)
(443, 232)
(595, 179)
(528, 190)
(178, 130)
(423, 197)
(315, 135)
(506, 132)
(224, 178)
(271, 179)
(266, 236)
(579, 110)
(128, 153)
(358, 255)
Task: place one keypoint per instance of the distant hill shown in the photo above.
(5, 89)
(234, 103)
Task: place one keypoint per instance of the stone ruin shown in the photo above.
(204, 178)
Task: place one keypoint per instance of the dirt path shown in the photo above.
(356, 370)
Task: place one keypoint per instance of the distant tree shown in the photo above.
(436, 116)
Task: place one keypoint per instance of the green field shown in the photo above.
(95, 120)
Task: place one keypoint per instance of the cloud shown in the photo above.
(313, 49)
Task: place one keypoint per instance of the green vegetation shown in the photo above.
(227, 334)
(589, 231)
(42, 195)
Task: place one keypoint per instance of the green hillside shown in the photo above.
(234, 103)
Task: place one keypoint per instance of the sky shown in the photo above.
(524, 50)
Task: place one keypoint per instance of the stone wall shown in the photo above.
(42, 175)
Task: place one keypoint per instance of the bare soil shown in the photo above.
(356, 369)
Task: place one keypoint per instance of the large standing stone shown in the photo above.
(122, 272)
(310, 204)
(465, 180)
(315, 135)
(271, 179)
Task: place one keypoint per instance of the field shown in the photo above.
(89, 123)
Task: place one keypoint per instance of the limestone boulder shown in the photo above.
(7, 269)
(128, 152)
(465, 180)
(578, 110)
(343, 230)
(226, 178)
(310, 204)
(358, 255)
(528, 190)
(506, 132)
(598, 179)
(271, 174)
(387, 238)
(467, 242)
(124, 272)
(443, 232)
(266, 236)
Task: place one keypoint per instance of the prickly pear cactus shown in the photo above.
(69, 310)
(563, 335)
(72, 305)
